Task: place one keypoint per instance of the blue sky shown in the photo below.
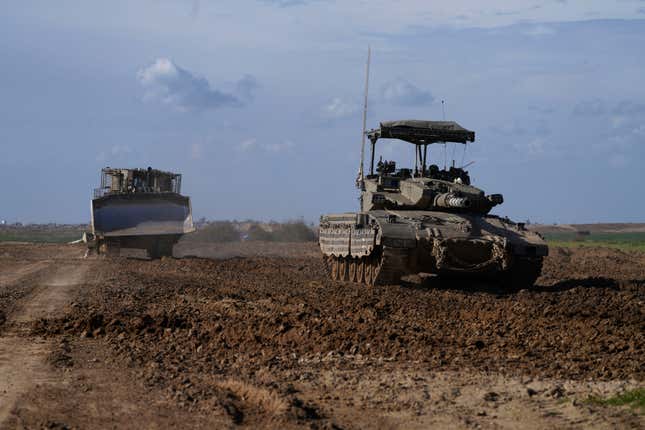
(257, 102)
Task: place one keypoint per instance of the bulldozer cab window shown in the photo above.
(117, 181)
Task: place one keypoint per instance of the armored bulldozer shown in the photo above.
(426, 220)
(141, 209)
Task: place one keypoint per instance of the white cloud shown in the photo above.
(621, 109)
(196, 151)
(402, 92)
(639, 131)
(116, 152)
(247, 144)
(540, 31)
(618, 160)
(533, 148)
(618, 121)
(536, 147)
(288, 3)
(169, 84)
(590, 107)
(622, 129)
(252, 144)
(338, 108)
(629, 107)
(279, 147)
(388, 16)
(245, 88)
(509, 128)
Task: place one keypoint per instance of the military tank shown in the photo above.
(138, 209)
(426, 220)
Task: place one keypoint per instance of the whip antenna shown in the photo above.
(359, 182)
(445, 152)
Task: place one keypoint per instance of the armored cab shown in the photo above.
(426, 219)
(139, 208)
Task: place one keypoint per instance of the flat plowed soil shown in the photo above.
(264, 339)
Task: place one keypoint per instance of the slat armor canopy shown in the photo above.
(421, 132)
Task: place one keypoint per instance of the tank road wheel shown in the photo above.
(522, 274)
(343, 268)
(370, 270)
(352, 269)
(360, 270)
(334, 268)
(377, 264)
(390, 264)
(326, 263)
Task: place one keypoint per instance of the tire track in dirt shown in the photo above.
(22, 358)
(8, 278)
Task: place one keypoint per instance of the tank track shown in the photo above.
(522, 274)
(384, 266)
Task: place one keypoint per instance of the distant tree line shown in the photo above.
(236, 231)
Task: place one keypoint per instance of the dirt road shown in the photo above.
(48, 287)
(269, 341)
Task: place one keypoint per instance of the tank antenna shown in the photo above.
(359, 182)
(445, 154)
(463, 156)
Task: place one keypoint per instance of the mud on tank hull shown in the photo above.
(379, 247)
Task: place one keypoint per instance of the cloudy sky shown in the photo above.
(257, 102)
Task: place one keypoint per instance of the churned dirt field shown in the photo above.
(264, 339)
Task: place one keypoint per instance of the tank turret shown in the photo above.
(424, 187)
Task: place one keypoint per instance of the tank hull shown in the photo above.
(381, 246)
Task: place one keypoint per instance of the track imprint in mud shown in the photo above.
(22, 358)
(10, 276)
(54, 295)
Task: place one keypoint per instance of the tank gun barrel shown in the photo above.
(449, 200)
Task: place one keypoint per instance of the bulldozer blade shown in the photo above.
(142, 215)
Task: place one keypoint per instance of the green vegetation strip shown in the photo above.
(635, 399)
(622, 246)
(40, 237)
(624, 241)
